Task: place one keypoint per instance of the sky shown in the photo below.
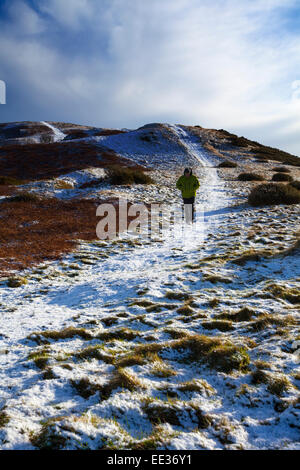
(223, 64)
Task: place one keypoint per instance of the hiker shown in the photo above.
(188, 185)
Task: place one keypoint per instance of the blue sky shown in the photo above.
(232, 64)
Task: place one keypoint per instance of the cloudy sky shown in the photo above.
(232, 64)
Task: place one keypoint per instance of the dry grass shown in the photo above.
(95, 352)
(177, 295)
(185, 310)
(10, 181)
(295, 184)
(214, 279)
(123, 176)
(46, 161)
(227, 164)
(266, 320)
(290, 294)
(221, 325)
(67, 333)
(131, 360)
(4, 418)
(42, 229)
(50, 437)
(213, 303)
(250, 255)
(159, 367)
(165, 412)
(158, 438)
(245, 314)
(281, 177)
(40, 358)
(175, 333)
(16, 281)
(272, 193)
(119, 379)
(217, 353)
(281, 169)
(277, 385)
(199, 386)
(120, 334)
(250, 177)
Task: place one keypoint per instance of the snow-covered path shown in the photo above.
(58, 135)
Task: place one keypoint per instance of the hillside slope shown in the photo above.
(186, 340)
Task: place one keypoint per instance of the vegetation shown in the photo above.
(272, 193)
(281, 177)
(120, 175)
(25, 197)
(119, 379)
(16, 282)
(46, 231)
(265, 320)
(4, 418)
(277, 385)
(221, 325)
(61, 184)
(281, 169)
(227, 164)
(245, 314)
(10, 181)
(290, 294)
(218, 354)
(66, 333)
(250, 177)
(295, 184)
(275, 154)
(50, 437)
(177, 295)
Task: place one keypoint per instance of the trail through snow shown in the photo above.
(58, 135)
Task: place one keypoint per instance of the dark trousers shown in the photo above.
(189, 201)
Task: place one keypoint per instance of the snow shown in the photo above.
(58, 135)
(110, 287)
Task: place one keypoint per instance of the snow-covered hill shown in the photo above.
(173, 342)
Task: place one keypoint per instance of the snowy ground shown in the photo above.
(145, 349)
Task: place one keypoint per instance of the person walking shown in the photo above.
(188, 185)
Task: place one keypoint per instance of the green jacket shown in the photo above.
(188, 186)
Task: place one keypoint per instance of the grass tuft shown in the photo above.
(4, 418)
(245, 314)
(66, 333)
(250, 177)
(227, 164)
(282, 177)
(15, 282)
(272, 193)
(119, 175)
(217, 353)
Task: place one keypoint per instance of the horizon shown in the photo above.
(123, 66)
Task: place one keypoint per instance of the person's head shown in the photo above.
(187, 172)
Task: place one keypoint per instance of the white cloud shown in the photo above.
(70, 13)
(24, 19)
(226, 64)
